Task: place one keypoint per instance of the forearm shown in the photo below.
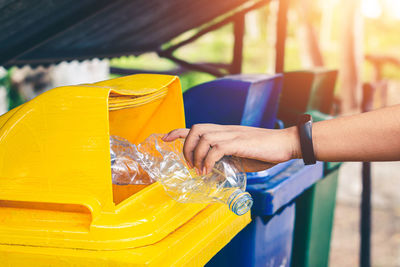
(372, 136)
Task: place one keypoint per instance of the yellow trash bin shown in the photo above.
(57, 202)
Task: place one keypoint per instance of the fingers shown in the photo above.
(199, 139)
(200, 152)
(205, 144)
(207, 141)
(191, 142)
(175, 134)
(182, 132)
(216, 153)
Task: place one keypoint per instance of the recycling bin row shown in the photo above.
(297, 231)
(59, 206)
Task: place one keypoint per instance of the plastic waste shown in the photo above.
(155, 160)
(124, 168)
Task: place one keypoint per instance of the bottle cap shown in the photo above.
(240, 202)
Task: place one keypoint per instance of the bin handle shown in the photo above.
(43, 215)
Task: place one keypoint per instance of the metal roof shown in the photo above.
(50, 31)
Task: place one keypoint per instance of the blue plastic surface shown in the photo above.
(276, 191)
(265, 175)
(268, 239)
(249, 100)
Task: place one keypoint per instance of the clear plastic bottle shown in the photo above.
(124, 169)
(156, 160)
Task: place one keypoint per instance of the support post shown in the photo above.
(365, 218)
(238, 32)
(281, 26)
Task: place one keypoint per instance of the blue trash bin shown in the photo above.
(250, 100)
(268, 239)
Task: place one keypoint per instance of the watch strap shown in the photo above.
(304, 126)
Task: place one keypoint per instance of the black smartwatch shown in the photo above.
(304, 126)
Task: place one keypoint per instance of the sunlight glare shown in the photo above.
(371, 9)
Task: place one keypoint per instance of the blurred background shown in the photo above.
(320, 33)
(360, 38)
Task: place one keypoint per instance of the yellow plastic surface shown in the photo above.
(57, 202)
(193, 244)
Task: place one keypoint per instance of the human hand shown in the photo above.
(259, 148)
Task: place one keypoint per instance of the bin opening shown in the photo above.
(49, 216)
(124, 122)
(122, 192)
(138, 106)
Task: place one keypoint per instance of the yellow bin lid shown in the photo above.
(55, 175)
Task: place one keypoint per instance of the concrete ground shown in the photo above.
(385, 216)
(385, 243)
